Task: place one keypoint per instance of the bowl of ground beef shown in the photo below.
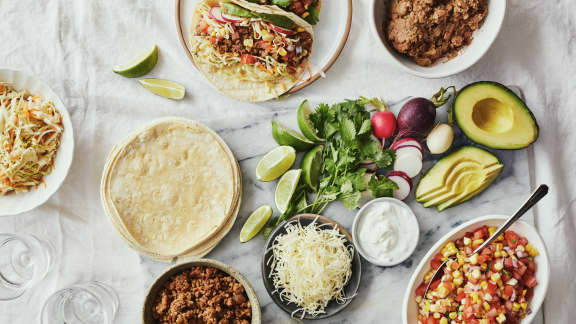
(436, 38)
(201, 291)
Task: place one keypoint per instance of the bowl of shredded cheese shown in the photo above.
(310, 267)
(36, 139)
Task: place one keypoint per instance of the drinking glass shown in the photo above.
(87, 303)
(24, 261)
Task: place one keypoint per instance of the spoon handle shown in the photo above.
(538, 194)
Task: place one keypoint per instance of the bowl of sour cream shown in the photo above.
(385, 231)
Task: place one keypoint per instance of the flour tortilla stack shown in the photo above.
(172, 189)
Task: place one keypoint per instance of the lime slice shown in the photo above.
(255, 222)
(140, 65)
(275, 163)
(286, 136)
(306, 127)
(164, 88)
(285, 189)
(311, 165)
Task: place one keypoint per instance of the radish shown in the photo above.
(440, 139)
(232, 19)
(407, 142)
(409, 162)
(383, 124)
(369, 165)
(280, 30)
(404, 183)
(418, 115)
(216, 14)
(404, 150)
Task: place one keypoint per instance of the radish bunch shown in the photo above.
(407, 165)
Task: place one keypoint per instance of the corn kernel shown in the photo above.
(248, 42)
(453, 315)
(478, 242)
(500, 238)
(495, 277)
(449, 250)
(524, 306)
(503, 254)
(476, 274)
(532, 251)
(501, 318)
(492, 230)
(457, 274)
(484, 266)
(484, 285)
(436, 315)
(444, 320)
(499, 246)
(486, 306)
(497, 254)
(282, 51)
(306, 14)
(498, 266)
(300, 29)
(515, 307)
(467, 241)
(512, 282)
(458, 281)
(474, 259)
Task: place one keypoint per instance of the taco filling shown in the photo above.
(252, 46)
(309, 10)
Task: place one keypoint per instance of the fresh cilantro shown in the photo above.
(281, 3)
(314, 16)
(381, 186)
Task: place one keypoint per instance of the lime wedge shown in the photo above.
(164, 88)
(285, 189)
(286, 136)
(255, 222)
(311, 165)
(306, 127)
(275, 163)
(140, 65)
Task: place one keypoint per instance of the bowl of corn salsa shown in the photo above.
(504, 284)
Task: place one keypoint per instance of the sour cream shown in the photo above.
(386, 231)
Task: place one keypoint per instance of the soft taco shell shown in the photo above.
(170, 188)
(243, 89)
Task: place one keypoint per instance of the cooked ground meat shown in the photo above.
(428, 30)
(296, 6)
(202, 295)
(235, 44)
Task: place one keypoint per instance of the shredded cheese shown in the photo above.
(311, 265)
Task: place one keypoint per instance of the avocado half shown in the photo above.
(458, 177)
(492, 115)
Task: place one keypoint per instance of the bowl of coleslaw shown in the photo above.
(37, 142)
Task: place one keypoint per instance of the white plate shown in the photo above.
(409, 308)
(330, 34)
(16, 203)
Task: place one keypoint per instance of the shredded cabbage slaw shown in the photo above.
(30, 135)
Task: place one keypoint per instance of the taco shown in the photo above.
(250, 52)
(309, 10)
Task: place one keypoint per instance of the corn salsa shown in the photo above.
(492, 287)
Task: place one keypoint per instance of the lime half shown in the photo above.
(306, 127)
(140, 65)
(286, 136)
(275, 163)
(311, 165)
(285, 189)
(164, 88)
(255, 222)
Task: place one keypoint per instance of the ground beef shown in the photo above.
(296, 6)
(202, 295)
(428, 30)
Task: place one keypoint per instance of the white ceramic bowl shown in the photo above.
(359, 218)
(483, 39)
(409, 308)
(13, 204)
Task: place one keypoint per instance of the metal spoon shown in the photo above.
(538, 194)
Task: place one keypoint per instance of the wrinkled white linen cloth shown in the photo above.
(73, 45)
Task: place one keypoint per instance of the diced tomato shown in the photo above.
(491, 288)
(511, 238)
(247, 59)
(420, 290)
(455, 265)
(530, 281)
(531, 266)
(435, 284)
(473, 321)
(448, 286)
(481, 233)
(460, 296)
(436, 262)
(508, 290)
(203, 26)
(492, 313)
(522, 241)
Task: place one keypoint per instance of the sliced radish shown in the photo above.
(409, 163)
(280, 29)
(403, 182)
(409, 150)
(407, 141)
(216, 14)
(369, 165)
(232, 19)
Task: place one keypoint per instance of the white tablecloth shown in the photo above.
(73, 45)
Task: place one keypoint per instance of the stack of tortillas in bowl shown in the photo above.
(172, 189)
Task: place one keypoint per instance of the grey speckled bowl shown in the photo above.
(163, 278)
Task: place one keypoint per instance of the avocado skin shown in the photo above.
(505, 89)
